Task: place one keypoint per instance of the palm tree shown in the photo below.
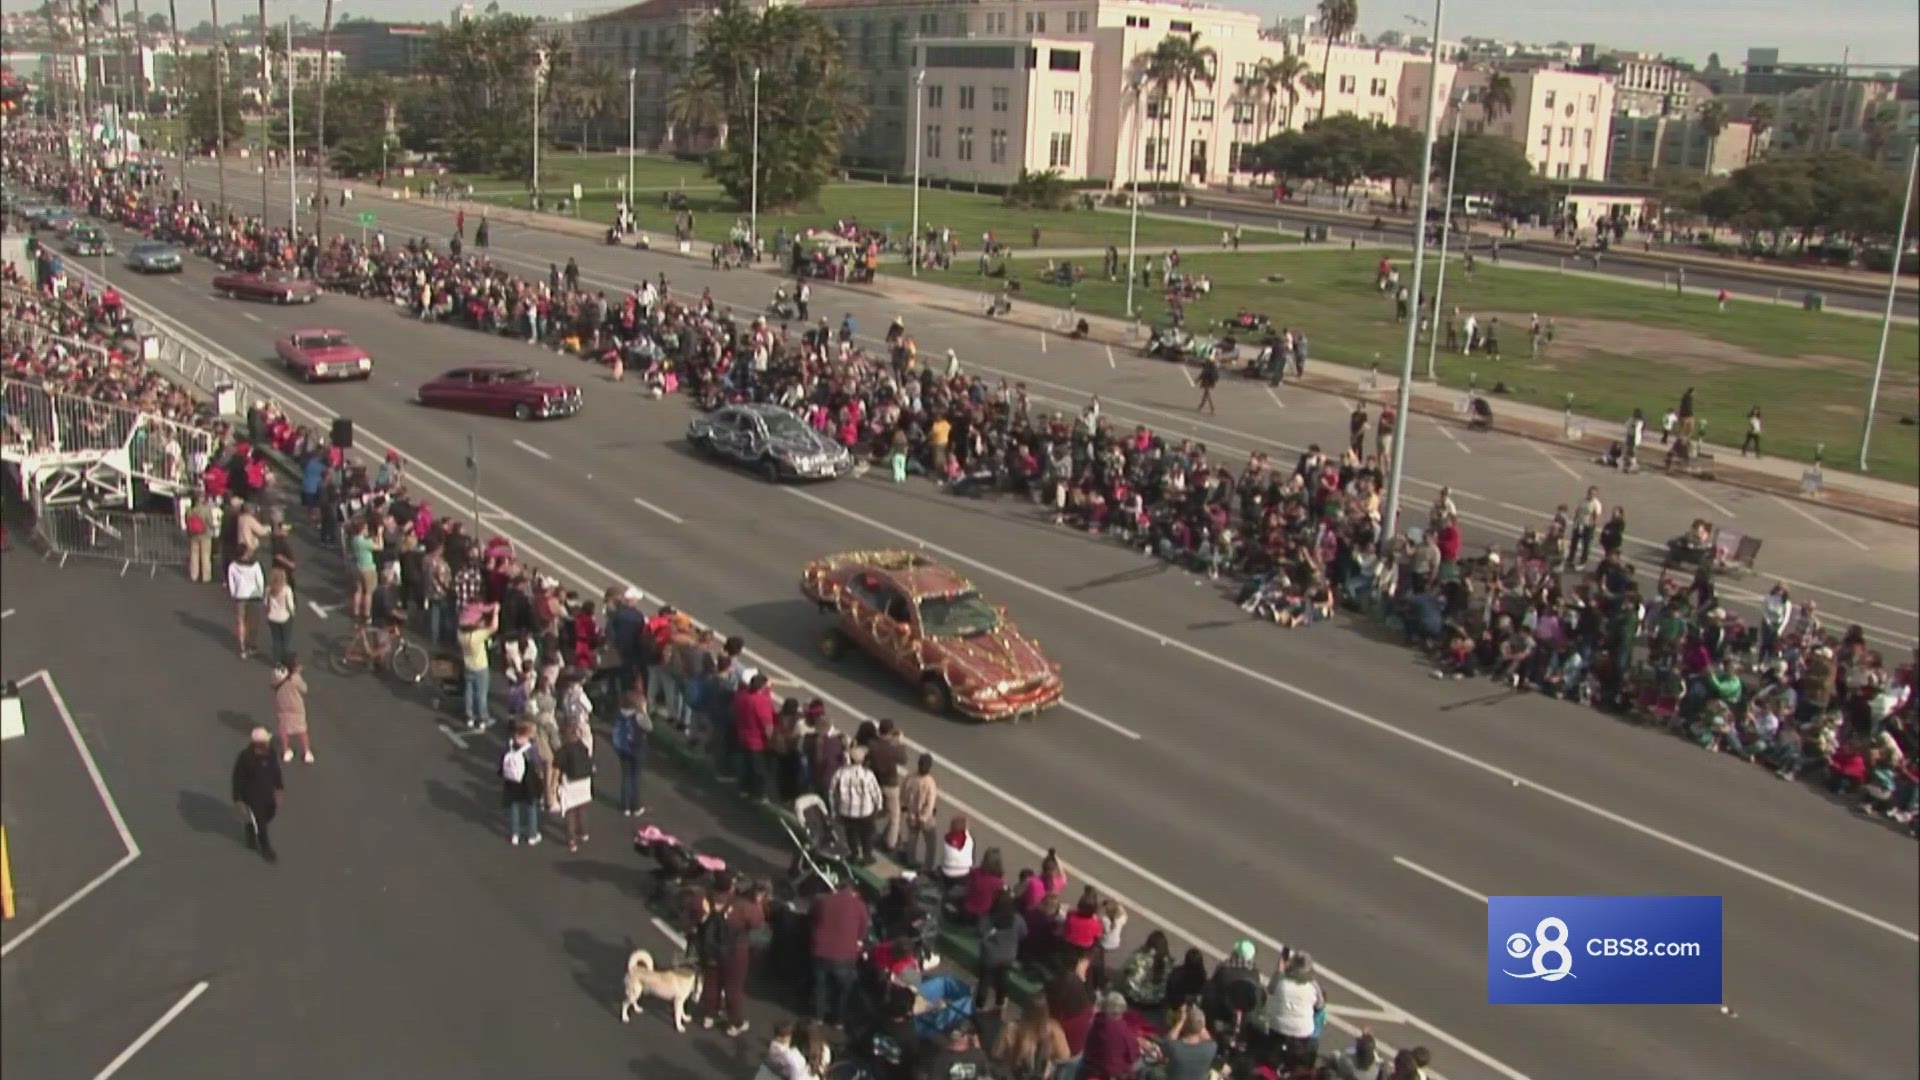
(1496, 98)
(1802, 126)
(1761, 117)
(1161, 74)
(320, 127)
(587, 93)
(693, 107)
(1337, 20)
(1186, 63)
(1281, 78)
(1878, 129)
(1713, 119)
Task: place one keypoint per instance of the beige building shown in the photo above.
(1644, 146)
(1645, 84)
(1563, 119)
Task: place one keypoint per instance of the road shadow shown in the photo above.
(643, 1069)
(1139, 573)
(242, 722)
(469, 806)
(210, 816)
(600, 967)
(630, 877)
(220, 634)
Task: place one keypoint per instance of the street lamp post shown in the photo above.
(1133, 188)
(919, 133)
(753, 185)
(539, 75)
(293, 169)
(1390, 523)
(632, 74)
(1446, 229)
(1893, 291)
(266, 110)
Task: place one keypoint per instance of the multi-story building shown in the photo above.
(379, 48)
(1643, 146)
(1562, 119)
(1644, 84)
(653, 39)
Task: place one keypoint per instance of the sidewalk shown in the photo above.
(1868, 496)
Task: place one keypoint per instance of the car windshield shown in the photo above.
(518, 375)
(961, 615)
(321, 341)
(151, 249)
(786, 426)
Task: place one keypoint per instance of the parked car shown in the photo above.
(154, 257)
(88, 240)
(769, 439)
(501, 390)
(930, 626)
(322, 356)
(275, 285)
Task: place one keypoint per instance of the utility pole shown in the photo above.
(220, 104)
(539, 76)
(179, 94)
(919, 132)
(632, 75)
(1133, 186)
(753, 185)
(1893, 292)
(140, 88)
(266, 110)
(1446, 229)
(86, 69)
(320, 130)
(293, 170)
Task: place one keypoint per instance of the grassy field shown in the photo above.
(1616, 346)
(886, 206)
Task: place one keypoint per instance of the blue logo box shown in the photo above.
(1603, 950)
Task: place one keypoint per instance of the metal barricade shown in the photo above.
(168, 352)
(126, 537)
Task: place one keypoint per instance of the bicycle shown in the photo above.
(367, 648)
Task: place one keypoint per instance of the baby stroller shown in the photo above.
(676, 866)
(821, 852)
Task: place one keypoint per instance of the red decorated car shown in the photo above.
(323, 356)
(930, 626)
(277, 286)
(502, 390)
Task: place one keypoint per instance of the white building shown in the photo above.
(1563, 119)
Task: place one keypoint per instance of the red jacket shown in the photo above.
(839, 926)
(753, 718)
(1080, 931)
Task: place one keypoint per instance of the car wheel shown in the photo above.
(935, 695)
(770, 469)
(523, 411)
(834, 643)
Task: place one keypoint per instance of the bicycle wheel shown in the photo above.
(407, 661)
(347, 657)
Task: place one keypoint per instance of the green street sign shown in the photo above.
(367, 218)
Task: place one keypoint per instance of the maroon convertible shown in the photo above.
(274, 285)
(502, 390)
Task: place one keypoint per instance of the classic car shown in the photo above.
(154, 257)
(275, 285)
(58, 218)
(88, 240)
(931, 627)
(518, 392)
(322, 355)
(771, 440)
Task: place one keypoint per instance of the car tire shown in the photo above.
(935, 696)
(770, 469)
(523, 411)
(834, 643)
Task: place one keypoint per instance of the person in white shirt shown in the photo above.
(1776, 615)
(247, 585)
(1586, 522)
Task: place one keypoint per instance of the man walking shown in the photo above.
(856, 799)
(888, 759)
(839, 931)
(1209, 378)
(257, 788)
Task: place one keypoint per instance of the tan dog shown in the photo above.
(677, 985)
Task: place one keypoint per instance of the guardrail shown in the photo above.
(47, 432)
(193, 367)
(32, 335)
(122, 536)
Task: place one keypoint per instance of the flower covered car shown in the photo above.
(930, 626)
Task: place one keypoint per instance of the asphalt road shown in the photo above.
(1224, 776)
(400, 935)
(1621, 262)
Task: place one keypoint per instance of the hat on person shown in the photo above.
(632, 595)
(1243, 950)
(260, 736)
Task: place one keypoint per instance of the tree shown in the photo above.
(1713, 120)
(1277, 79)
(1761, 117)
(1877, 131)
(209, 122)
(586, 92)
(808, 96)
(1337, 19)
(157, 23)
(1496, 98)
(1492, 165)
(364, 122)
(480, 68)
(1184, 63)
(693, 109)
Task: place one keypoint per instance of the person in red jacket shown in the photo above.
(753, 719)
(839, 933)
(1113, 1049)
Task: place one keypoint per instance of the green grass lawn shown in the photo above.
(1616, 347)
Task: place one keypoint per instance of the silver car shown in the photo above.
(770, 440)
(154, 258)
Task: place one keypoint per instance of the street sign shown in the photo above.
(577, 192)
(367, 218)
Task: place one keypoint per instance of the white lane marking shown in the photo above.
(1374, 722)
(1821, 524)
(7, 614)
(534, 450)
(1043, 341)
(1124, 732)
(45, 678)
(317, 608)
(1554, 458)
(457, 738)
(306, 405)
(1367, 1016)
(1452, 438)
(679, 939)
(251, 317)
(1716, 507)
(1275, 396)
(1185, 372)
(148, 1035)
(1435, 877)
(645, 505)
(1110, 361)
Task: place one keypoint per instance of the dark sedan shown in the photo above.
(770, 440)
(272, 285)
(501, 390)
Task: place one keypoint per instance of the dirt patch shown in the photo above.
(1581, 339)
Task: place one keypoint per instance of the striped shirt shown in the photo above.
(854, 792)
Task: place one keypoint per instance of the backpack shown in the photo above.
(196, 524)
(513, 767)
(715, 936)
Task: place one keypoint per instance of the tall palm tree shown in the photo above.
(179, 86)
(140, 49)
(1761, 117)
(693, 109)
(1801, 125)
(1161, 75)
(1186, 64)
(1496, 98)
(588, 93)
(121, 86)
(1337, 20)
(320, 127)
(1281, 78)
(1713, 120)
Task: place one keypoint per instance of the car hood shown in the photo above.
(805, 442)
(332, 354)
(1004, 656)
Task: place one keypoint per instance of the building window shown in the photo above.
(1233, 156)
(1560, 171)
(1245, 112)
(998, 98)
(1063, 102)
(1593, 103)
(1156, 159)
(1179, 27)
(1546, 134)
(1036, 22)
(1060, 151)
(1543, 168)
(1346, 84)
(1378, 88)
(997, 146)
(1566, 137)
(1202, 109)
(936, 96)
(1583, 172)
(1197, 157)
(929, 25)
(966, 98)
(1063, 59)
(933, 140)
(963, 144)
(1549, 101)
(1586, 139)
(895, 39)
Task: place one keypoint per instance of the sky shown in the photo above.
(1877, 31)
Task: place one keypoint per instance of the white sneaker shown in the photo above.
(286, 755)
(308, 757)
(533, 840)
(516, 839)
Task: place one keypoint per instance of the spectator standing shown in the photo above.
(856, 800)
(290, 709)
(1112, 1050)
(200, 527)
(280, 605)
(523, 785)
(887, 757)
(753, 721)
(257, 790)
(476, 631)
(746, 917)
(919, 807)
(632, 728)
(839, 933)
(573, 787)
(247, 586)
(1752, 439)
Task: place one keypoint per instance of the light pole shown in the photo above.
(266, 110)
(1893, 290)
(293, 169)
(1133, 188)
(1390, 523)
(632, 74)
(539, 75)
(1446, 228)
(753, 184)
(919, 133)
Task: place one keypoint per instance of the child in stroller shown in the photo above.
(821, 852)
(676, 866)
